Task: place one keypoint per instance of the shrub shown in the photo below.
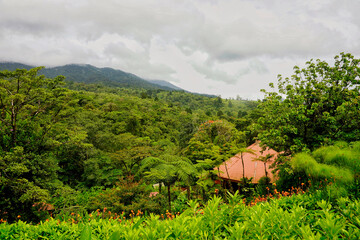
(128, 196)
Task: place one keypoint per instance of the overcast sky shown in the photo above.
(222, 47)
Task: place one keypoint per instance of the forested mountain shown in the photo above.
(87, 146)
(66, 139)
(89, 74)
(165, 84)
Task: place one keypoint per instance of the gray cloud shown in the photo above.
(211, 72)
(123, 57)
(249, 36)
(214, 74)
(276, 31)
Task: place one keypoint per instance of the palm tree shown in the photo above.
(242, 151)
(168, 169)
(265, 160)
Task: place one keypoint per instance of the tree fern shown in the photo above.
(168, 169)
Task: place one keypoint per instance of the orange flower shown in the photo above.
(18, 216)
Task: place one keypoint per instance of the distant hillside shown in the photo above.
(11, 66)
(165, 84)
(90, 74)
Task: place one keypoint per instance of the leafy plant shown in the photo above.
(317, 104)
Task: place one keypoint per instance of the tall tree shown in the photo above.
(318, 104)
(214, 143)
(30, 105)
(265, 159)
(28, 101)
(129, 157)
(168, 169)
(242, 151)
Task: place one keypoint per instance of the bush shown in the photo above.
(264, 186)
(297, 217)
(128, 196)
(335, 168)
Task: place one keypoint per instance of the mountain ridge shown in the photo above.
(87, 73)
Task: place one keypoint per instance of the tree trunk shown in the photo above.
(169, 197)
(188, 192)
(243, 165)
(229, 180)
(265, 170)
(203, 194)
(13, 125)
(221, 180)
(160, 183)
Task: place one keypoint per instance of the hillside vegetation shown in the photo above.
(86, 73)
(132, 157)
(58, 144)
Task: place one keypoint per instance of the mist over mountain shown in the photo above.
(164, 84)
(86, 73)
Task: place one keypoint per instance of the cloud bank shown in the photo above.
(225, 47)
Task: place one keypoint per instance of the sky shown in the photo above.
(224, 47)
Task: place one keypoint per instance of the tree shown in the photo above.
(30, 105)
(242, 151)
(218, 103)
(213, 144)
(317, 105)
(23, 180)
(265, 160)
(168, 169)
(133, 151)
(214, 140)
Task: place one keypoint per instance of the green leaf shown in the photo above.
(86, 233)
(115, 236)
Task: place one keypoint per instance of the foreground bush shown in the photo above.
(302, 216)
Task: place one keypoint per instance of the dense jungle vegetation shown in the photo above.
(73, 149)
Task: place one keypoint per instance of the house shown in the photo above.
(233, 168)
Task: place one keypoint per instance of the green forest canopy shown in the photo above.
(65, 143)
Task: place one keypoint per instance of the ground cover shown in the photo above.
(303, 216)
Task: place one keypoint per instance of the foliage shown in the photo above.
(167, 169)
(90, 74)
(65, 148)
(30, 107)
(336, 164)
(264, 186)
(131, 153)
(287, 178)
(296, 217)
(127, 196)
(318, 104)
(212, 144)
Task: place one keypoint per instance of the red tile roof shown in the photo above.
(253, 169)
